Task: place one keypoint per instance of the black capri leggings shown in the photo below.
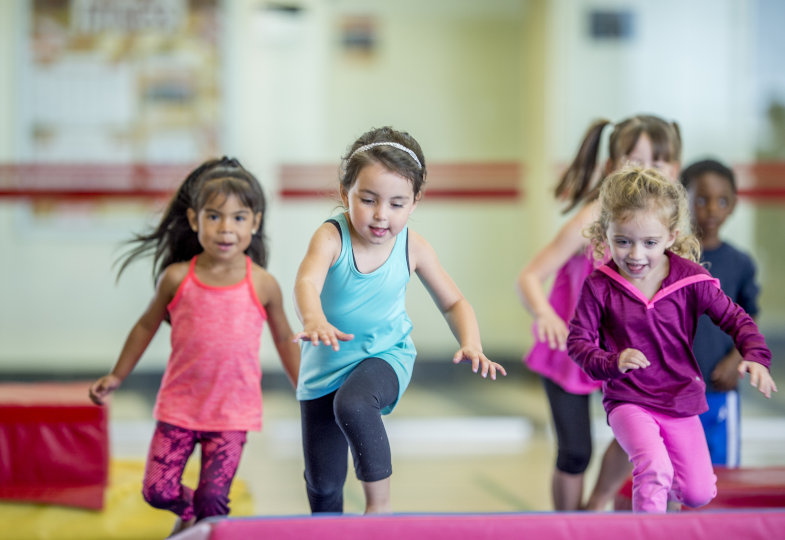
(572, 423)
(349, 417)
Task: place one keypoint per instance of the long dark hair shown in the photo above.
(173, 240)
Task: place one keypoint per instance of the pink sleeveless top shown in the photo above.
(213, 379)
(553, 363)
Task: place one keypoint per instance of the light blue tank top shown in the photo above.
(372, 307)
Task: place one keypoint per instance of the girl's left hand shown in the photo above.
(479, 362)
(760, 377)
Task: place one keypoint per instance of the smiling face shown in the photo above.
(637, 245)
(224, 226)
(380, 203)
(713, 200)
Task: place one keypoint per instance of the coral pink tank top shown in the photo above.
(213, 379)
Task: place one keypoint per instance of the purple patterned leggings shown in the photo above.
(169, 452)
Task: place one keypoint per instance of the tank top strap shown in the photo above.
(248, 269)
(346, 239)
(400, 253)
(192, 267)
(252, 288)
(190, 276)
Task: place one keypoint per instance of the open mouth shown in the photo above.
(635, 268)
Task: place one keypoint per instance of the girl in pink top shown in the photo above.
(209, 257)
(649, 141)
(633, 330)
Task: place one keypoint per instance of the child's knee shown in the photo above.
(350, 408)
(699, 494)
(158, 498)
(572, 462)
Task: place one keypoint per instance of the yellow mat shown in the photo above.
(125, 515)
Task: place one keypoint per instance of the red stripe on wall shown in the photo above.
(760, 181)
(430, 193)
(500, 180)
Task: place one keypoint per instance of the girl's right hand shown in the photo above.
(324, 333)
(103, 387)
(552, 329)
(632, 359)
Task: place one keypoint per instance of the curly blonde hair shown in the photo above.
(632, 189)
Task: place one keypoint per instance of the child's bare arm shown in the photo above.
(531, 281)
(322, 253)
(269, 293)
(456, 310)
(140, 335)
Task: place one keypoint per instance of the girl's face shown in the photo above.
(638, 245)
(642, 154)
(380, 203)
(224, 226)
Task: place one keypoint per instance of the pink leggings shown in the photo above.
(669, 456)
(169, 452)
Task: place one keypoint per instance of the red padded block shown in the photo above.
(750, 525)
(54, 445)
(760, 487)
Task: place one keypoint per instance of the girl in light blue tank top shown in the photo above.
(372, 307)
(357, 355)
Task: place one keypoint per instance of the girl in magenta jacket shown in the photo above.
(633, 330)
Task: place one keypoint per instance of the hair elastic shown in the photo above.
(393, 144)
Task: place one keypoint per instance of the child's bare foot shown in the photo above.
(180, 526)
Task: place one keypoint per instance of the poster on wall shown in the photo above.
(121, 81)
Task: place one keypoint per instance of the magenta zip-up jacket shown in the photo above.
(612, 315)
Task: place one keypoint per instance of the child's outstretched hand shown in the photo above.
(103, 387)
(632, 359)
(479, 362)
(760, 377)
(324, 333)
(551, 328)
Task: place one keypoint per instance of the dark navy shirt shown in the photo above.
(736, 273)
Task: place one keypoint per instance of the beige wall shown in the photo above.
(499, 80)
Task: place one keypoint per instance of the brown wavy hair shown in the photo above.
(391, 158)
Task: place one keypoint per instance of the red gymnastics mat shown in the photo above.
(745, 487)
(54, 445)
(751, 525)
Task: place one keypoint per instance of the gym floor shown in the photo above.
(459, 443)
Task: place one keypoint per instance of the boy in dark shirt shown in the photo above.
(712, 189)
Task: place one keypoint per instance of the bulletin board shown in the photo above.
(120, 81)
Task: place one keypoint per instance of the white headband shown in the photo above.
(393, 144)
